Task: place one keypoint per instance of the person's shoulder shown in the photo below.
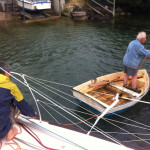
(132, 42)
(12, 84)
(135, 41)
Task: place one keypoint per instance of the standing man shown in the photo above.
(10, 98)
(135, 52)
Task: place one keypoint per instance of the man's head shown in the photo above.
(6, 67)
(141, 37)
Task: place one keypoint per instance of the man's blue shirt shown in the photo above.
(135, 52)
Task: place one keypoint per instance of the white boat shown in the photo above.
(56, 138)
(100, 96)
(34, 4)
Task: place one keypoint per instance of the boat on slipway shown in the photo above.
(34, 5)
(37, 134)
(97, 94)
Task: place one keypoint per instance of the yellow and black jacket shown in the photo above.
(9, 93)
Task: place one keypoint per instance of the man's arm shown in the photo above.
(25, 108)
(20, 102)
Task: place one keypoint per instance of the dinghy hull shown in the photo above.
(97, 99)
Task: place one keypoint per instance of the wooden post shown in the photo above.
(114, 5)
(7, 6)
(12, 7)
(59, 8)
(23, 10)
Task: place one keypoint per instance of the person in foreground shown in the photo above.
(135, 52)
(10, 98)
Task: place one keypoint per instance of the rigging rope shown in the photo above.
(131, 120)
(127, 124)
(65, 117)
(80, 119)
(105, 134)
(28, 130)
(44, 95)
(49, 113)
(31, 144)
(50, 100)
(49, 81)
(125, 130)
(49, 97)
(128, 133)
(137, 140)
(97, 129)
(40, 83)
(83, 120)
(0, 145)
(102, 132)
(15, 143)
(72, 112)
(57, 94)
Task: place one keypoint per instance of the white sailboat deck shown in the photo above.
(57, 138)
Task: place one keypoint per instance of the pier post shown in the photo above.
(23, 10)
(59, 8)
(58, 5)
(114, 5)
(12, 12)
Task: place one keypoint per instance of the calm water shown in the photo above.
(72, 52)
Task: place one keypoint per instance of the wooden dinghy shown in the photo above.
(99, 97)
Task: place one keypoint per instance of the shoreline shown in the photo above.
(6, 16)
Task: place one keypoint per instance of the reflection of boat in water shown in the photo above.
(100, 96)
(34, 4)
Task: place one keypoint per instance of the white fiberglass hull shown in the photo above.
(34, 5)
(58, 138)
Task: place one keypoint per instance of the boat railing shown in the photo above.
(38, 1)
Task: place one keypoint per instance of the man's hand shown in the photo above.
(34, 117)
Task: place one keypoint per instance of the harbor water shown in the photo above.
(72, 52)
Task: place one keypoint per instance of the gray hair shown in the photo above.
(141, 35)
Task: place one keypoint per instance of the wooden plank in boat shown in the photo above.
(106, 97)
(100, 102)
(103, 84)
(125, 89)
